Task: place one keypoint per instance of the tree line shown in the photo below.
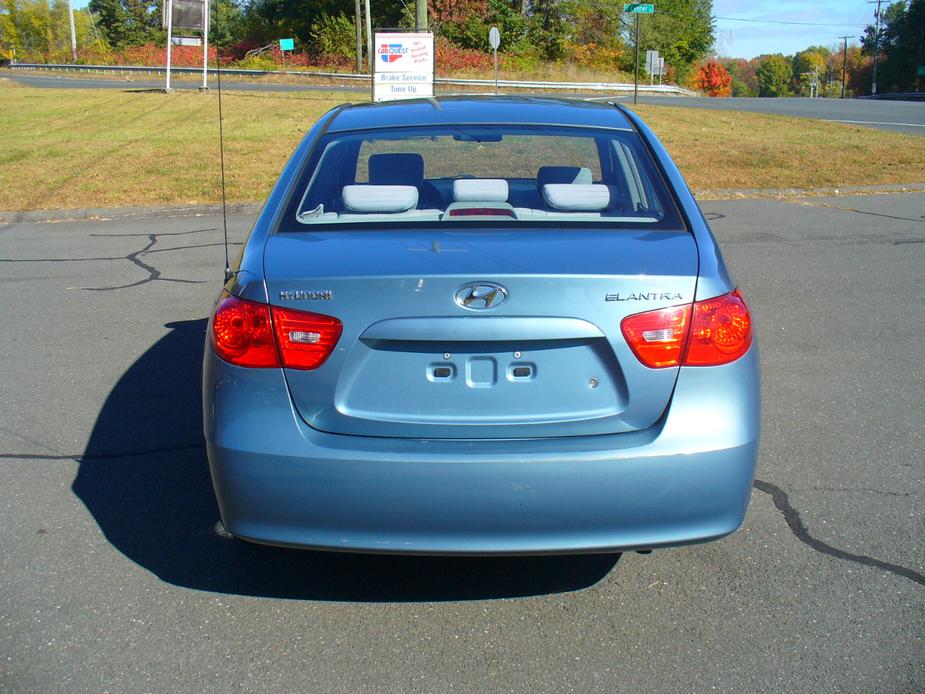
(898, 52)
(558, 36)
(590, 33)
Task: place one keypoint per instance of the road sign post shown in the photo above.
(286, 45)
(206, 18)
(169, 19)
(186, 14)
(637, 8)
(494, 40)
(652, 59)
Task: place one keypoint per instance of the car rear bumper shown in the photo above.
(686, 479)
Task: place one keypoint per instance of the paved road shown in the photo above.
(113, 578)
(153, 82)
(898, 116)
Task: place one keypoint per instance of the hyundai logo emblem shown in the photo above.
(481, 295)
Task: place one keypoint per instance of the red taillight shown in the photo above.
(243, 333)
(305, 339)
(657, 337)
(706, 333)
(721, 331)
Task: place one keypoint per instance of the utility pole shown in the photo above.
(369, 40)
(358, 23)
(844, 64)
(420, 15)
(70, 16)
(873, 86)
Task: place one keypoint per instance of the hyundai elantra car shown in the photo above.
(481, 325)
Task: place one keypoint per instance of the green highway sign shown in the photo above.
(639, 8)
(287, 44)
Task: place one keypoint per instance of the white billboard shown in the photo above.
(404, 65)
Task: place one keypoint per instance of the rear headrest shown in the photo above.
(562, 174)
(382, 199)
(576, 197)
(480, 190)
(398, 169)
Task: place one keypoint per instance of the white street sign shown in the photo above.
(404, 66)
(494, 38)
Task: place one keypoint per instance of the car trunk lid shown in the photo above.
(422, 357)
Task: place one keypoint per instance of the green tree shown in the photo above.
(774, 73)
(129, 22)
(227, 26)
(269, 20)
(744, 81)
(902, 46)
(37, 30)
(9, 32)
(806, 63)
(681, 31)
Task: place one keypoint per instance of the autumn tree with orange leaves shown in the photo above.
(714, 79)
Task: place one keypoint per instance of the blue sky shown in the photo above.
(748, 39)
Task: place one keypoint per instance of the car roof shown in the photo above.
(479, 110)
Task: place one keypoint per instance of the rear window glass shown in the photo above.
(515, 156)
(481, 175)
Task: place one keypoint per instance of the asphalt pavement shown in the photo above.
(898, 116)
(114, 577)
(181, 81)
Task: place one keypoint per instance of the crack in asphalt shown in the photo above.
(78, 458)
(60, 260)
(154, 275)
(831, 206)
(778, 496)
(799, 530)
(866, 490)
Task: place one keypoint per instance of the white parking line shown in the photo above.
(874, 122)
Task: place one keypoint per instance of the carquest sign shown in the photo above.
(404, 66)
(390, 52)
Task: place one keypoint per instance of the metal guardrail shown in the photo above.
(346, 76)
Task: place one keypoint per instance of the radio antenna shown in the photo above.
(221, 154)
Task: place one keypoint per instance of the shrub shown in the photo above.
(593, 55)
(150, 54)
(452, 58)
(334, 36)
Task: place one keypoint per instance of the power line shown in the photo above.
(781, 21)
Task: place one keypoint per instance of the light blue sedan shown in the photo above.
(481, 325)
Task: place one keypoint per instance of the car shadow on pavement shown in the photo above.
(144, 477)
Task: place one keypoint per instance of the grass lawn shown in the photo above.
(65, 148)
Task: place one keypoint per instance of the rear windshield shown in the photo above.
(447, 175)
